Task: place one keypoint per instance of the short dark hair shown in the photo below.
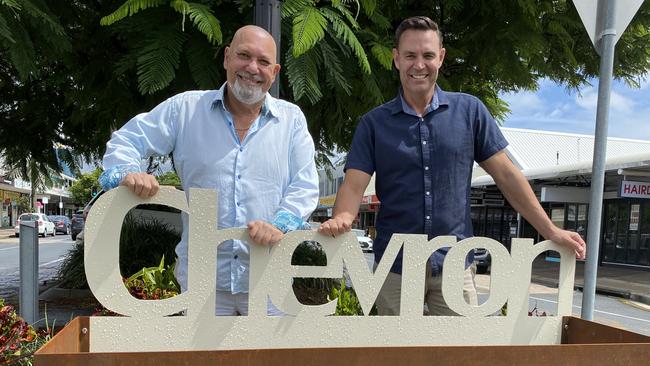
(419, 22)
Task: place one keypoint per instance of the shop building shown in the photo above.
(558, 167)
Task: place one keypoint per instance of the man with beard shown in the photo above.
(255, 150)
(422, 145)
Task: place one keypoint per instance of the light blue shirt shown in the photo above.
(270, 175)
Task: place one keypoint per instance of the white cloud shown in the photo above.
(587, 99)
(524, 101)
(552, 108)
(620, 102)
(617, 101)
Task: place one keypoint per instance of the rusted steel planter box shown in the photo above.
(583, 343)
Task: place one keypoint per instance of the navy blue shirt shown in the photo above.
(424, 165)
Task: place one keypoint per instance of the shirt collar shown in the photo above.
(439, 98)
(270, 103)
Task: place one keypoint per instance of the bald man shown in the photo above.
(255, 150)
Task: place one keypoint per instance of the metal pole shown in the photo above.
(268, 16)
(607, 44)
(28, 293)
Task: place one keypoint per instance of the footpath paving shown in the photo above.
(626, 282)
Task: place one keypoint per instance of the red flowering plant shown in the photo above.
(18, 340)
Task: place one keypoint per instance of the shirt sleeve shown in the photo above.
(488, 139)
(145, 135)
(362, 151)
(301, 196)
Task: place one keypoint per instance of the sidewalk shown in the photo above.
(6, 232)
(626, 282)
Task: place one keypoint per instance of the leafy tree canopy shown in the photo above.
(96, 64)
(82, 189)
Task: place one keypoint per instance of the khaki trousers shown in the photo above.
(388, 300)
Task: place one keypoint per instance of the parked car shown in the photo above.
(45, 226)
(482, 259)
(77, 224)
(62, 223)
(364, 241)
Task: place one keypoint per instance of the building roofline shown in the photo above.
(581, 168)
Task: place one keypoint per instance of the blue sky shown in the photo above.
(553, 108)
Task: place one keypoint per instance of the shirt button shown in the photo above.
(236, 256)
(238, 176)
(241, 149)
(237, 203)
(424, 142)
(426, 168)
(427, 217)
(428, 193)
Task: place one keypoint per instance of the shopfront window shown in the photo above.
(557, 216)
(622, 230)
(644, 235)
(611, 219)
(633, 233)
(581, 221)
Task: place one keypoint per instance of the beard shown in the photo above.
(246, 94)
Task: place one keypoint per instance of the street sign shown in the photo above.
(590, 12)
(45, 200)
(605, 21)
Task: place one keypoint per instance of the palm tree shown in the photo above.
(27, 29)
(319, 41)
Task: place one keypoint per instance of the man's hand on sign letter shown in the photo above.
(569, 239)
(142, 184)
(263, 233)
(335, 226)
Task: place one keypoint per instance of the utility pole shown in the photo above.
(268, 16)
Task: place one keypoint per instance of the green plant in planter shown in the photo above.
(348, 303)
(153, 283)
(142, 244)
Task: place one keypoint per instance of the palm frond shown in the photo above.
(345, 3)
(333, 68)
(379, 20)
(372, 88)
(5, 32)
(302, 72)
(308, 28)
(36, 12)
(346, 34)
(205, 22)
(159, 59)
(11, 4)
(368, 6)
(383, 54)
(342, 8)
(21, 53)
(291, 7)
(203, 64)
(130, 7)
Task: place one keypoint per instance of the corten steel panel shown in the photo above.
(579, 331)
(71, 339)
(68, 349)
